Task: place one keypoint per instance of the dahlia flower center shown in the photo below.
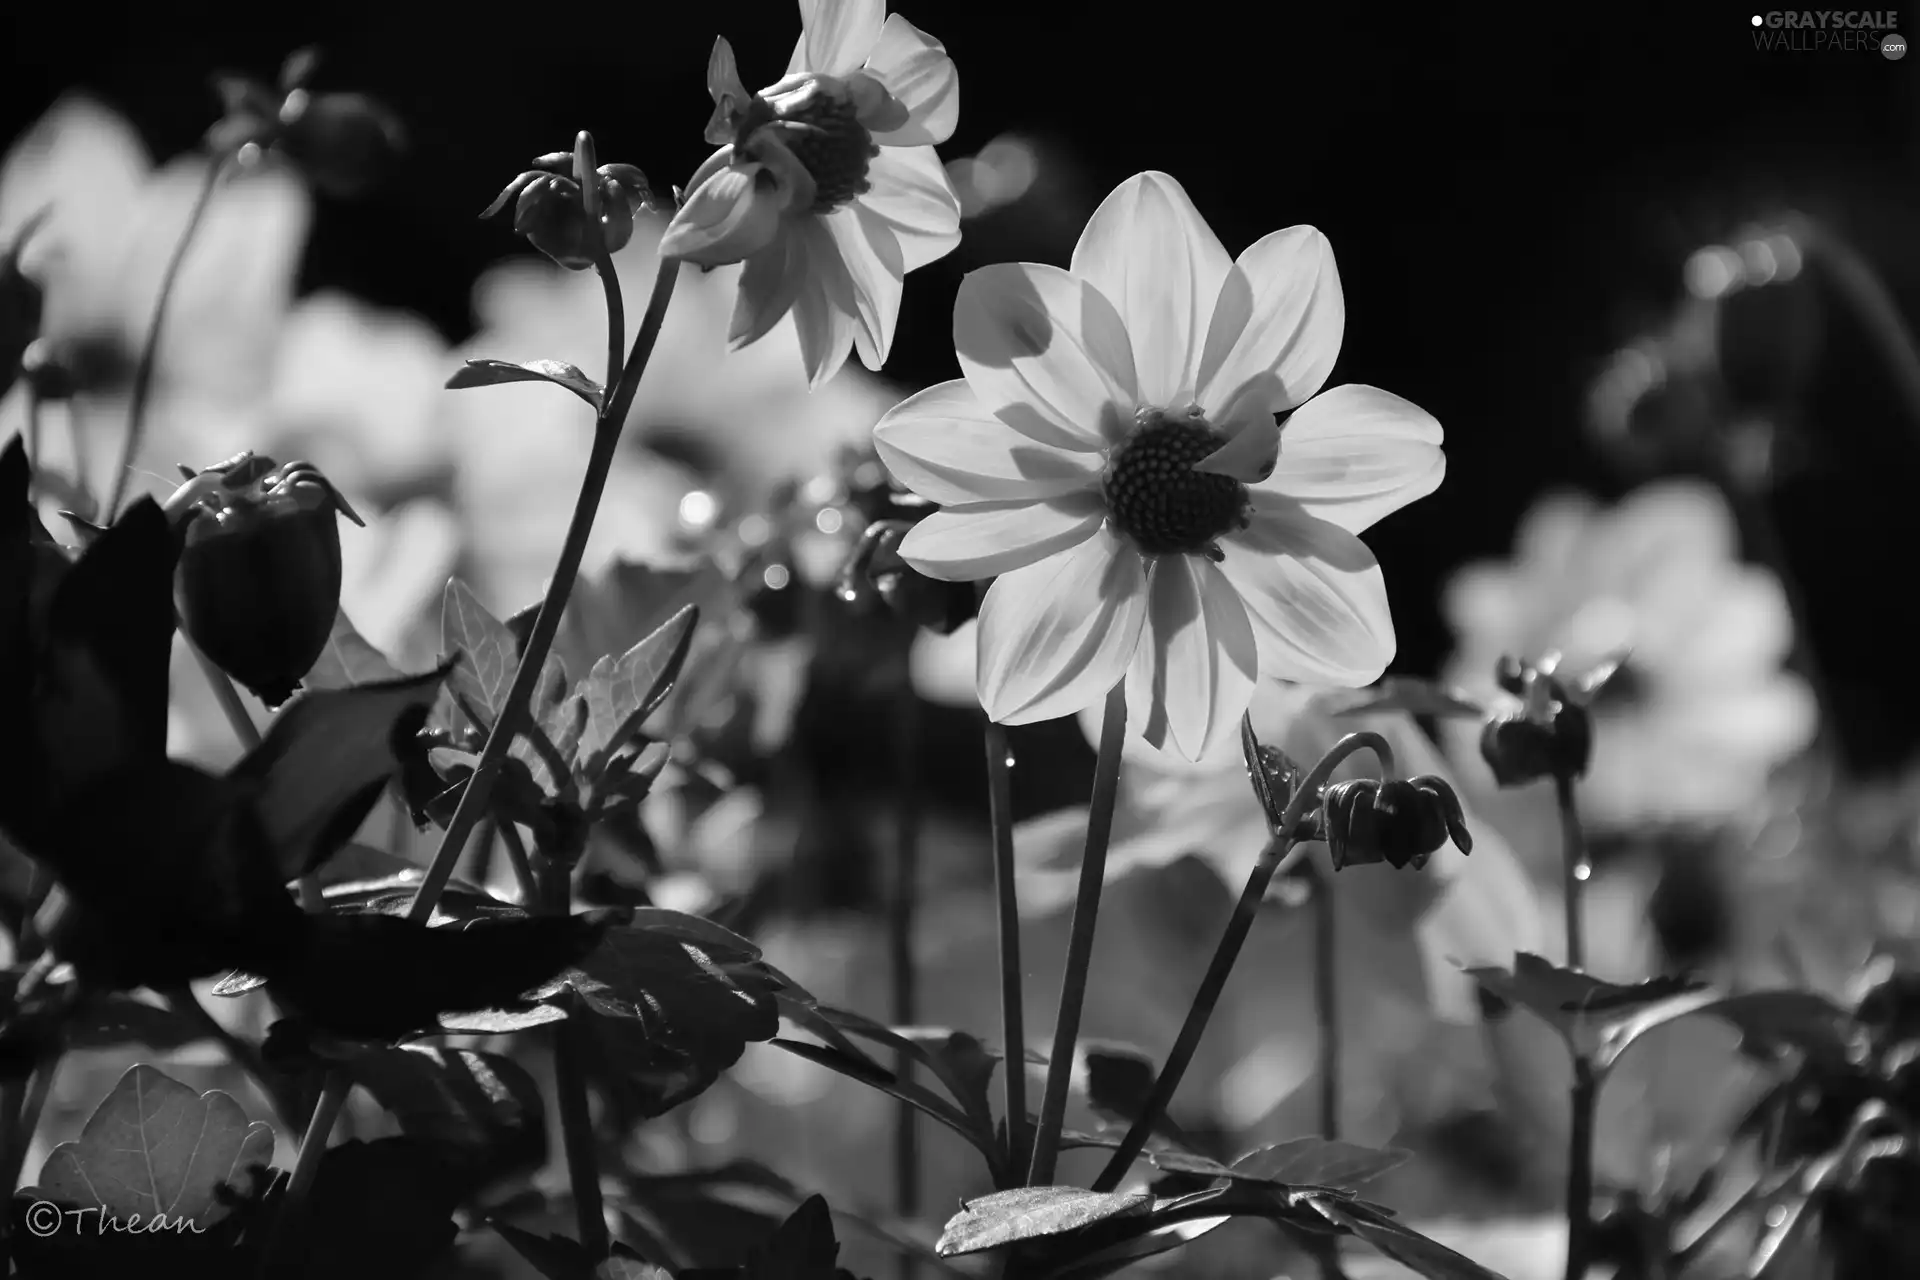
(823, 130)
(1156, 498)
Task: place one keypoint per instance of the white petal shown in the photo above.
(1038, 343)
(912, 193)
(838, 34)
(1316, 597)
(1251, 450)
(770, 283)
(981, 539)
(1058, 635)
(915, 68)
(1276, 329)
(872, 258)
(1356, 453)
(1154, 257)
(1193, 673)
(727, 218)
(823, 311)
(946, 447)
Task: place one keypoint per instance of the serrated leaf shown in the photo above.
(621, 693)
(325, 762)
(501, 1022)
(154, 1146)
(481, 1108)
(490, 373)
(348, 660)
(1404, 1245)
(1319, 1162)
(1033, 1213)
(491, 656)
(1597, 1019)
(550, 743)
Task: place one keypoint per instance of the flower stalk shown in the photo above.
(901, 911)
(1086, 912)
(1013, 1016)
(1577, 869)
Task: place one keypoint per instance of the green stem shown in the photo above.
(901, 910)
(150, 348)
(1086, 912)
(570, 1082)
(276, 1260)
(1013, 1016)
(231, 704)
(1282, 851)
(606, 443)
(1576, 871)
(517, 859)
(1326, 1002)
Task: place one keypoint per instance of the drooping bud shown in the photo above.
(258, 585)
(342, 142)
(1402, 822)
(571, 223)
(1549, 736)
(1274, 775)
(876, 569)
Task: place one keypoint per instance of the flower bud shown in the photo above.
(342, 142)
(1274, 775)
(1400, 822)
(876, 569)
(1521, 750)
(550, 209)
(258, 585)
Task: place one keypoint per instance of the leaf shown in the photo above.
(1319, 1162)
(481, 1108)
(348, 660)
(500, 1022)
(115, 1019)
(488, 373)
(1032, 1213)
(1597, 1019)
(555, 1257)
(382, 1209)
(1409, 1248)
(958, 1073)
(326, 760)
(621, 693)
(866, 1072)
(488, 646)
(802, 1248)
(153, 1146)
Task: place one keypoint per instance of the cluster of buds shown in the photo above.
(1402, 822)
(573, 211)
(258, 586)
(343, 142)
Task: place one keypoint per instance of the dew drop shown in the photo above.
(1009, 760)
(1583, 870)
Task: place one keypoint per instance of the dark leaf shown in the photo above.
(382, 1210)
(1409, 1248)
(699, 1218)
(492, 657)
(622, 692)
(1597, 1019)
(487, 373)
(555, 1257)
(551, 741)
(348, 660)
(866, 1072)
(115, 1019)
(480, 1108)
(803, 1248)
(154, 1146)
(1318, 1162)
(325, 761)
(1033, 1213)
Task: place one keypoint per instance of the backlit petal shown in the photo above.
(915, 68)
(1154, 257)
(873, 262)
(981, 539)
(728, 218)
(1275, 331)
(770, 282)
(1316, 596)
(838, 34)
(1058, 635)
(823, 310)
(945, 446)
(1356, 453)
(912, 193)
(1037, 343)
(1193, 673)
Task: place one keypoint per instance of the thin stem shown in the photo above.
(24, 1117)
(1282, 851)
(150, 349)
(901, 911)
(1862, 289)
(616, 315)
(1326, 1002)
(570, 1082)
(1576, 869)
(1086, 912)
(229, 698)
(517, 859)
(306, 1167)
(1275, 859)
(1586, 1087)
(606, 443)
(1013, 1014)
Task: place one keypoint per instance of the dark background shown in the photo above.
(1511, 194)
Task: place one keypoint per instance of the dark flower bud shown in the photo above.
(1550, 737)
(1890, 1006)
(258, 585)
(1400, 822)
(1274, 775)
(550, 209)
(342, 142)
(875, 569)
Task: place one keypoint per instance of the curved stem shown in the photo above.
(150, 348)
(306, 1167)
(901, 909)
(1275, 859)
(1086, 912)
(1861, 287)
(606, 443)
(1013, 1016)
(1326, 1002)
(1283, 849)
(616, 315)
